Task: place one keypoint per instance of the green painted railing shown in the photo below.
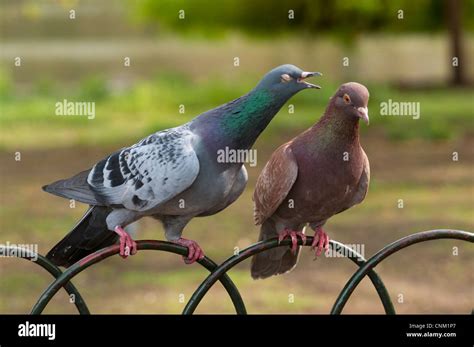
(219, 272)
(53, 270)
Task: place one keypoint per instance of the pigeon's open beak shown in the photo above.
(305, 75)
(364, 114)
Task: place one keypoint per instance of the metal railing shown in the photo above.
(219, 272)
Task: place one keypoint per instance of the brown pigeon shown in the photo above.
(318, 174)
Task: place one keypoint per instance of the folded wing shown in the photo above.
(274, 183)
(138, 177)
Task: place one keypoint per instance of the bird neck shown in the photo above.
(337, 128)
(249, 116)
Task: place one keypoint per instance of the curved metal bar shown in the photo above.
(141, 245)
(46, 264)
(390, 249)
(382, 291)
(272, 243)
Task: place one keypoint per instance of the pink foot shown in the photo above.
(194, 251)
(294, 238)
(320, 241)
(127, 245)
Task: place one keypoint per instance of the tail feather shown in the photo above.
(274, 261)
(89, 235)
(75, 187)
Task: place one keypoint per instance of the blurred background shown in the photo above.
(184, 53)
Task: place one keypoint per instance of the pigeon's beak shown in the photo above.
(306, 74)
(364, 114)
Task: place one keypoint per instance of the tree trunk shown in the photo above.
(454, 13)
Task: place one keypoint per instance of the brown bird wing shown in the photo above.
(362, 185)
(364, 181)
(274, 183)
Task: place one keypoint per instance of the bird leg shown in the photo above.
(320, 241)
(294, 238)
(127, 245)
(194, 251)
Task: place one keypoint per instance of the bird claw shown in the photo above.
(320, 241)
(294, 238)
(128, 246)
(195, 252)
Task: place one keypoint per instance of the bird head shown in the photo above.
(287, 80)
(351, 100)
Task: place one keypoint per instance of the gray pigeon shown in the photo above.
(319, 173)
(172, 175)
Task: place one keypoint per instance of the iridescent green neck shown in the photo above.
(244, 122)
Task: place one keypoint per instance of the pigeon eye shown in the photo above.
(347, 99)
(285, 78)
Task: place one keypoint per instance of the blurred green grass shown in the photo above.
(28, 117)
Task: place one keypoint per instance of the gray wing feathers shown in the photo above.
(151, 172)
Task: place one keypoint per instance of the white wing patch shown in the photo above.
(149, 173)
